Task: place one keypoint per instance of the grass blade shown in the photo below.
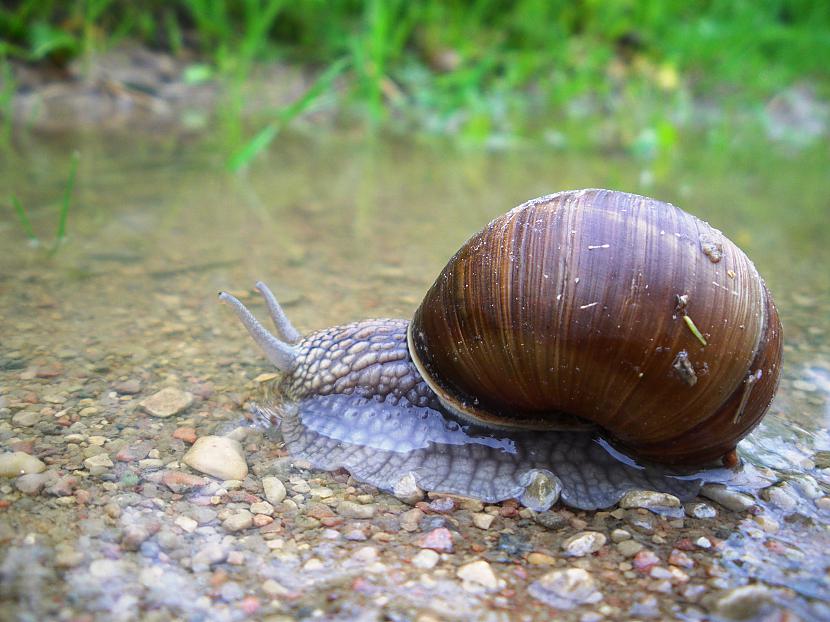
(67, 199)
(242, 157)
(23, 217)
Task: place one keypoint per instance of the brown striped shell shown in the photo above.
(617, 309)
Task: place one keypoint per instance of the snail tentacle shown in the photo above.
(281, 354)
(283, 325)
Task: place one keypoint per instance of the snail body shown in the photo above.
(598, 310)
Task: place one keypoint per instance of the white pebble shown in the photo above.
(219, 456)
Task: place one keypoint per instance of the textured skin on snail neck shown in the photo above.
(367, 359)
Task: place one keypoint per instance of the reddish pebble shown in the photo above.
(50, 371)
(260, 520)
(82, 497)
(218, 578)
(685, 544)
(331, 521)
(508, 511)
(679, 558)
(439, 539)
(4, 503)
(186, 434)
(249, 605)
(27, 447)
(645, 561)
(442, 505)
(182, 482)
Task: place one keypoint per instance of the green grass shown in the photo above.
(63, 210)
(480, 69)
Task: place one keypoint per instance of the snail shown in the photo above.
(583, 344)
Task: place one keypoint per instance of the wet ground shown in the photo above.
(111, 522)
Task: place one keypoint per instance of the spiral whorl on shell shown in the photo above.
(615, 308)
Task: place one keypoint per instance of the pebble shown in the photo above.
(211, 553)
(482, 520)
(219, 456)
(19, 463)
(629, 548)
(274, 490)
(33, 483)
(679, 558)
(700, 510)
(781, 496)
(645, 560)
(350, 509)
(239, 521)
(730, 499)
(180, 482)
(25, 418)
(186, 523)
(478, 576)
(551, 520)
(565, 589)
(186, 434)
(127, 387)
(439, 539)
(407, 490)
(540, 559)
(262, 507)
(618, 535)
(272, 588)
(648, 499)
(584, 543)
(411, 519)
(98, 465)
(426, 559)
(167, 402)
(703, 543)
(743, 603)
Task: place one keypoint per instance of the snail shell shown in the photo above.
(610, 312)
(618, 309)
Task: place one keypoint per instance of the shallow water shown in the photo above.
(341, 229)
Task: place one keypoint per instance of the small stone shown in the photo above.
(186, 434)
(98, 465)
(700, 510)
(274, 490)
(584, 543)
(260, 520)
(679, 558)
(321, 492)
(313, 564)
(411, 519)
(823, 503)
(478, 576)
(272, 588)
(439, 539)
(243, 519)
(262, 507)
(540, 559)
(482, 520)
(19, 463)
(106, 568)
(127, 387)
(767, 523)
(703, 543)
(648, 499)
(25, 419)
(618, 535)
(629, 548)
(180, 482)
(565, 589)
(407, 490)
(551, 520)
(186, 523)
(744, 603)
(781, 496)
(645, 560)
(210, 554)
(365, 555)
(730, 499)
(219, 456)
(167, 402)
(33, 483)
(350, 509)
(425, 559)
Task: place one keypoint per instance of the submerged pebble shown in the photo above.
(167, 402)
(19, 463)
(730, 499)
(565, 589)
(219, 456)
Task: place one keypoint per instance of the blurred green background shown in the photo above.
(589, 73)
